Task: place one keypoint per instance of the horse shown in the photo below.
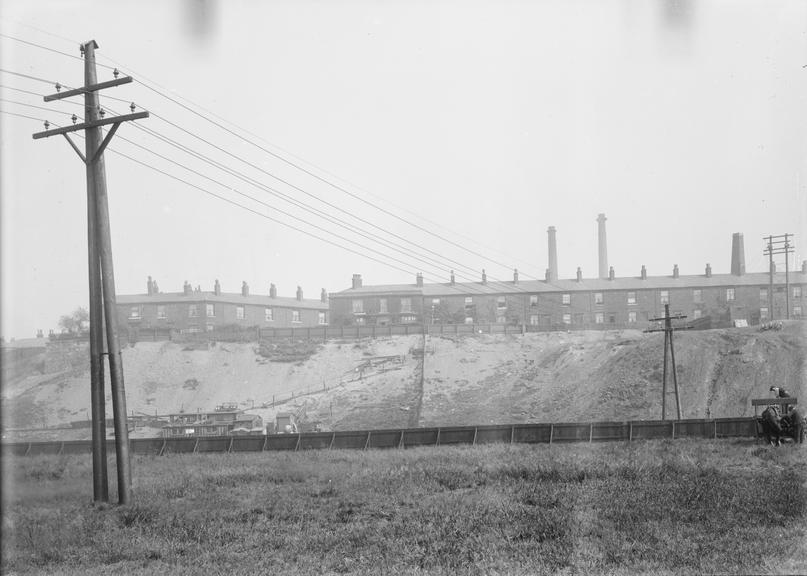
(775, 429)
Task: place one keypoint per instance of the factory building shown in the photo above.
(606, 302)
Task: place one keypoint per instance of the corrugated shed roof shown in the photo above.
(224, 298)
(572, 285)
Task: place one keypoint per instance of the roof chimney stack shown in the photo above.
(552, 271)
(452, 277)
(484, 277)
(579, 274)
(644, 272)
(356, 281)
(217, 288)
(186, 288)
(708, 270)
(675, 271)
(611, 273)
(272, 291)
(546, 275)
(515, 275)
(603, 248)
(323, 296)
(299, 293)
(244, 288)
(419, 280)
(804, 266)
(737, 254)
(150, 286)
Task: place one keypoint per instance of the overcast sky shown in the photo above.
(481, 122)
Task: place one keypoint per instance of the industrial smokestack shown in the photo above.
(552, 272)
(603, 248)
(737, 254)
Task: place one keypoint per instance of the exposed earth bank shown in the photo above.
(411, 381)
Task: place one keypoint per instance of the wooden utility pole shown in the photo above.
(668, 344)
(779, 245)
(103, 309)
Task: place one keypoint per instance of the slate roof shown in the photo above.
(632, 283)
(224, 297)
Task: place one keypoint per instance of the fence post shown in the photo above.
(590, 431)
(401, 440)
(333, 437)
(162, 448)
(673, 429)
(367, 442)
(715, 427)
(265, 443)
(512, 433)
(437, 442)
(476, 429)
(230, 446)
(196, 445)
(551, 433)
(297, 445)
(61, 449)
(630, 431)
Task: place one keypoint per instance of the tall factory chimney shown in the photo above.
(737, 254)
(603, 248)
(552, 272)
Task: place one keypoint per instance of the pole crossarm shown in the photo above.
(85, 89)
(85, 125)
(673, 328)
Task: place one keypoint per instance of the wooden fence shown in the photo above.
(412, 437)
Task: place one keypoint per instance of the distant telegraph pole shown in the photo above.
(779, 245)
(103, 313)
(668, 344)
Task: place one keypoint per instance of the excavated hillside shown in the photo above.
(415, 381)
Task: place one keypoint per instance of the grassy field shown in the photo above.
(679, 507)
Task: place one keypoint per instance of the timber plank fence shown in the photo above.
(412, 437)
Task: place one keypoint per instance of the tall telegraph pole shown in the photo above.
(779, 245)
(668, 344)
(103, 313)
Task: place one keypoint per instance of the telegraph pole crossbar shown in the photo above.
(668, 330)
(103, 307)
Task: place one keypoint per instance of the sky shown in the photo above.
(420, 136)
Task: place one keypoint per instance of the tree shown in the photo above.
(76, 321)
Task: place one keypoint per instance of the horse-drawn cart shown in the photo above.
(779, 421)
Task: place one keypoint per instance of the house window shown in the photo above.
(268, 314)
(599, 318)
(665, 296)
(408, 319)
(534, 320)
(533, 299)
(696, 314)
(193, 311)
(321, 319)
(209, 327)
(796, 291)
(239, 312)
(469, 300)
(501, 302)
(631, 317)
(295, 315)
(500, 320)
(763, 313)
(161, 312)
(134, 313)
(612, 318)
(697, 296)
(469, 319)
(382, 306)
(435, 301)
(598, 297)
(631, 298)
(406, 304)
(359, 320)
(567, 318)
(358, 306)
(763, 294)
(566, 299)
(797, 311)
(210, 310)
(729, 294)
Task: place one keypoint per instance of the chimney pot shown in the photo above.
(644, 272)
(356, 281)
(515, 275)
(323, 296)
(804, 266)
(419, 280)
(186, 288)
(452, 277)
(547, 275)
(611, 273)
(675, 271)
(299, 293)
(150, 286)
(217, 288)
(484, 277)
(708, 270)
(579, 274)
(244, 288)
(272, 291)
